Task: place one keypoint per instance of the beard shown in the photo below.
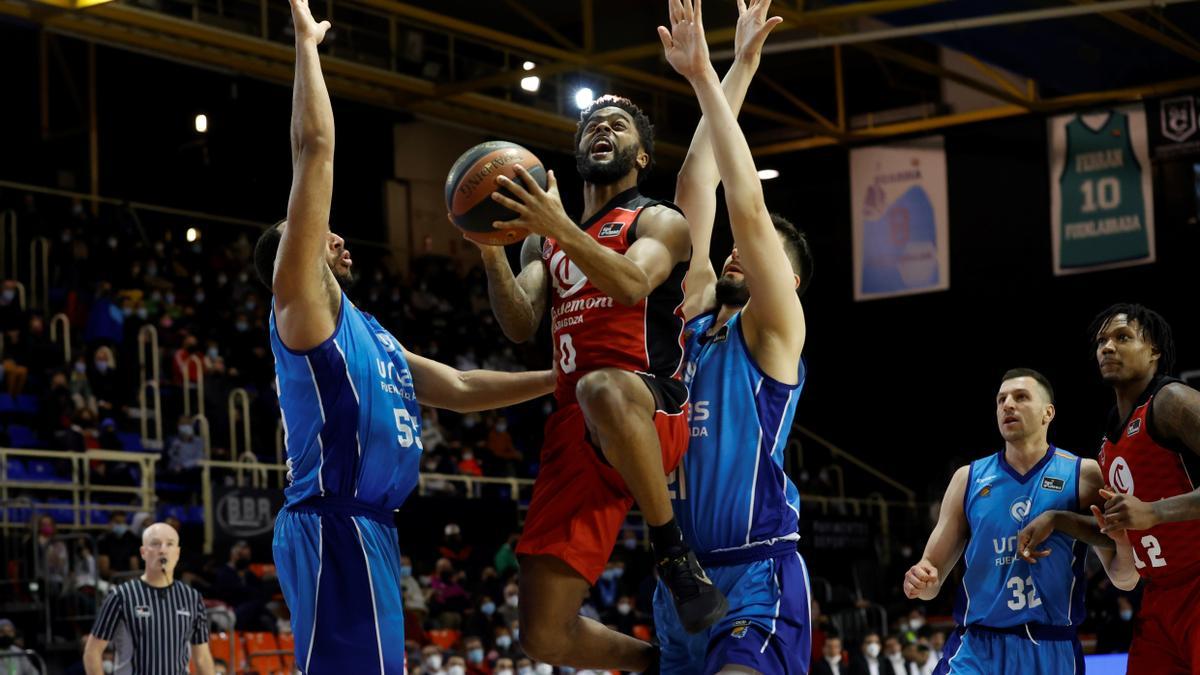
(606, 173)
(344, 279)
(732, 293)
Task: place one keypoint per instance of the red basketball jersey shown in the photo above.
(593, 331)
(1135, 463)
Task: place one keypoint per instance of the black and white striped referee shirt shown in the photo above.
(162, 624)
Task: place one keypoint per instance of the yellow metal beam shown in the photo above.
(796, 101)
(537, 21)
(999, 112)
(996, 76)
(1150, 33)
(608, 61)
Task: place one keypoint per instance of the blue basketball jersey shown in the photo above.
(999, 589)
(731, 496)
(352, 425)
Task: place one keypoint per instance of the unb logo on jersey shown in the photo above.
(1103, 213)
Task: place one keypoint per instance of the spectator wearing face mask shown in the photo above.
(508, 611)
(456, 665)
(453, 548)
(12, 659)
(504, 666)
(625, 615)
(81, 388)
(241, 589)
(185, 452)
(893, 653)
(475, 656)
(432, 661)
(118, 547)
(469, 465)
(524, 666)
(504, 645)
(505, 454)
(871, 661)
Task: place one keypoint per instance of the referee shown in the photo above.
(164, 619)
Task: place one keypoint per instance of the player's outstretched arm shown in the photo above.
(696, 184)
(517, 301)
(1081, 526)
(774, 318)
(627, 278)
(945, 544)
(305, 291)
(440, 386)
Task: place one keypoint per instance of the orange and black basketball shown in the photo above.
(471, 182)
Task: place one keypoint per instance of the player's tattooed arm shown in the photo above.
(517, 301)
(1176, 417)
(945, 545)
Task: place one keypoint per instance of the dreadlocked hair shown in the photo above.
(1151, 325)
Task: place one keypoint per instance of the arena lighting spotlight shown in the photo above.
(533, 82)
(767, 174)
(201, 123)
(192, 234)
(584, 98)
(73, 4)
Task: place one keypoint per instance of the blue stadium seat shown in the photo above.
(131, 441)
(7, 404)
(15, 470)
(99, 517)
(195, 514)
(61, 515)
(28, 404)
(43, 470)
(22, 436)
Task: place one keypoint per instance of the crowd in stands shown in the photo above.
(114, 273)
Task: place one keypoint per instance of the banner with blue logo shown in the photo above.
(900, 218)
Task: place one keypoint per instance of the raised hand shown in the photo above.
(684, 44)
(307, 28)
(539, 211)
(1126, 512)
(753, 26)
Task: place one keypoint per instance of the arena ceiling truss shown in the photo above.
(836, 71)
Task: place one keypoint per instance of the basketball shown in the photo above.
(471, 182)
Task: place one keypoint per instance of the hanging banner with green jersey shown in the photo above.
(1101, 199)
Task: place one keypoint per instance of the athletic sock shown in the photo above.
(667, 540)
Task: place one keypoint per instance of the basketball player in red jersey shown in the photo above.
(1149, 455)
(615, 280)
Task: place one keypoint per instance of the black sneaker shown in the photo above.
(698, 603)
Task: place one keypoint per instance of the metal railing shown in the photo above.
(8, 244)
(64, 321)
(29, 654)
(150, 376)
(81, 490)
(837, 453)
(186, 374)
(239, 395)
(39, 275)
(62, 599)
